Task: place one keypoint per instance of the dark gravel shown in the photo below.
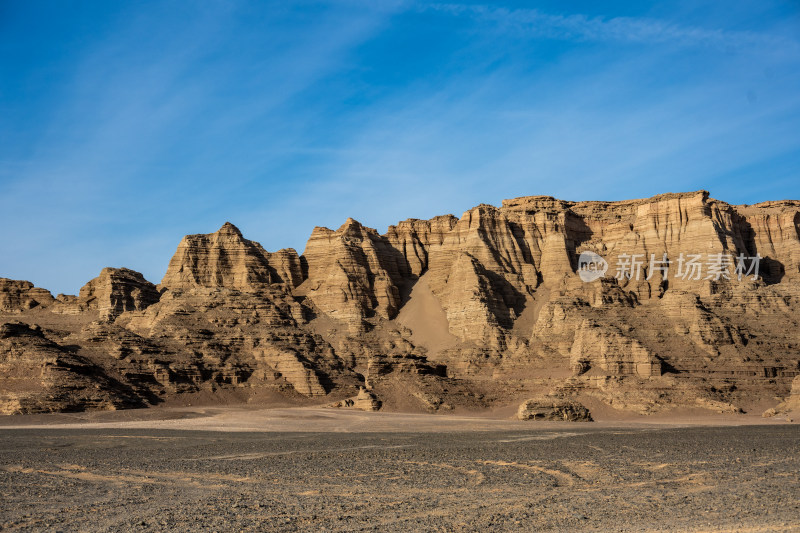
(579, 478)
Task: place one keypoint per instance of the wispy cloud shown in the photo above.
(621, 29)
(606, 126)
(280, 116)
(163, 129)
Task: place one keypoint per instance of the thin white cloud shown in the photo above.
(578, 129)
(584, 124)
(98, 165)
(619, 29)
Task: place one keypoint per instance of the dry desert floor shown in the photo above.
(238, 469)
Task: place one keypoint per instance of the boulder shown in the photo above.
(554, 409)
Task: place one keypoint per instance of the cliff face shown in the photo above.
(487, 309)
(353, 274)
(17, 296)
(117, 290)
(226, 259)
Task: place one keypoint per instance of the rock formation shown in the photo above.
(353, 274)
(40, 376)
(18, 296)
(226, 259)
(364, 401)
(693, 302)
(554, 409)
(117, 290)
(790, 405)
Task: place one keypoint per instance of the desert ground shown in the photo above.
(313, 469)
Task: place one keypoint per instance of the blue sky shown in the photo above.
(126, 125)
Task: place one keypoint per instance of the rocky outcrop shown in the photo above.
(226, 259)
(17, 296)
(293, 367)
(117, 290)
(42, 376)
(554, 409)
(474, 307)
(790, 404)
(607, 351)
(256, 332)
(364, 401)
(416, 239)
(353, 274)
(448, 312)
(771, 229)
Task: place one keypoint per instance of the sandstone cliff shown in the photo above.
(488, 309)
(117, 290)
(226, 259)
(17, 296)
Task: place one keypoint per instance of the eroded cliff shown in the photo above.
(694, 305)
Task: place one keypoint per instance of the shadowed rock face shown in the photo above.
(17, 296)
(353, 274)
(483, 310)
(553, 409)
(117, 290)
(41, 376)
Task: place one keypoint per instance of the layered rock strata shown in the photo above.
(117, 290)
(689, 301)
(554, 409)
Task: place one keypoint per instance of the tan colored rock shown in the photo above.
(718, 406)
(226, 259)
(611, 353)
(553, 409)
(364, 401)
(475, 311)
(254, 331)
(415, 239)
(17, 296)
(294, 369)
(381, 365)
(353, 274)
(790, 404)
(41, 376)
(451, 312)
(772, 229)
(117, 290)
(690, 318)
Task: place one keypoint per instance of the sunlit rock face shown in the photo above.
(226, 259)
(117, 290)
(695, 304)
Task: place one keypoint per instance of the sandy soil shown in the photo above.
(322, 419)
(423, 315)
(581, 477)
(317, 469)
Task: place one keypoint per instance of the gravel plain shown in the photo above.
(559, 478)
